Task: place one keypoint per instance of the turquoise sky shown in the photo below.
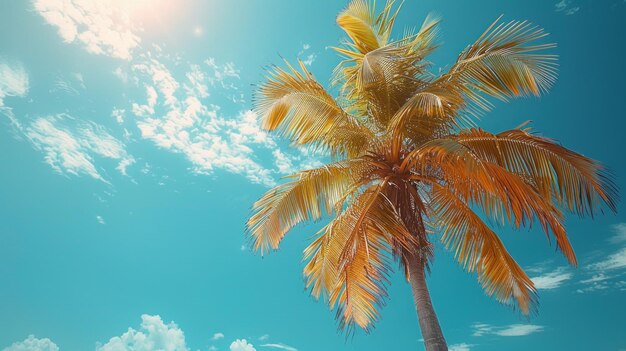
(130, 159)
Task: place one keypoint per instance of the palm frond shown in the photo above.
(366, 30)
(430, 112)
(505, 62)
(479, 249)
(574, 181)
(350, 259)
(377, 82)
(296, 105)
(307, 196)
(501, 194)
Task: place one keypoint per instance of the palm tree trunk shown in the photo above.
(431, 331)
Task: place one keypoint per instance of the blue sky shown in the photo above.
(130, 159)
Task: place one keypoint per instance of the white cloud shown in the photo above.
(565, 7)
(13, 80)
(100, 220)
(552, 280)
(280, 346)
(118, 115)
(241, 345)
(283, 162)
(103, 27)
(604, 274)
(197, 82)
(70, 145)
(68, 85)
(147, 109)
(153, 335)
(481, 329)
(33, 344)
(264, 336)
(222, 73)
(182, 123)
(460, 347)
(306, 58)
(309, 59)
(612, 262)
(619, 231)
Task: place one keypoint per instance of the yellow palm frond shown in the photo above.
(504, 62)
(307, 196)
(298, 107)
(366, 30)
(430, 112)
(479, 249)
(379, 81)
(576, 182)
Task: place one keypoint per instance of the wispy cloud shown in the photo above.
(481, 329)
(13, 80)
(607, 273)
(70, 146)
(103, 27)
(614, 261)
(68, 84)
(33, 344)
(217, 336)
(280, 346)
(176, 117)
(552, 280)
(305, 56)
(100, 220)
(619, 233)
(565, 6)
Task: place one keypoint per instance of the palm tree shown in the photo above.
(409, 166)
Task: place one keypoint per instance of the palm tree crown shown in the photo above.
(409, 166)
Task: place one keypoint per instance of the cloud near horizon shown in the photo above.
(481, 329)
(153, 334)
(31, 343)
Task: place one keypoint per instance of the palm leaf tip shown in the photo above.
(506, 62)
(366, 30)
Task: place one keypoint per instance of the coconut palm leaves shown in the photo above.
(409, 168)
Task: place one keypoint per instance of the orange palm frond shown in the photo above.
(349, 260)
(479, 249)
(500, 193)
(574, 181)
